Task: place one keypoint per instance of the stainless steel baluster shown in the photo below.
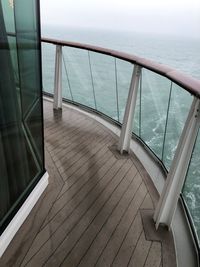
(126, 131)
(166, 206)
(58, 79)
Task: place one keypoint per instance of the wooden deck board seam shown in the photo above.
(101, 157)
(71, 141)
(116, 225)
(98, 210)
(59, 133)
(87, 192)
(66, 203)
(92, 190)
(60, 126)
(82, 143)
(105, 141)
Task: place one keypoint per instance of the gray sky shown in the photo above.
(180, 17)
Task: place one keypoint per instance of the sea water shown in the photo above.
(181, 53)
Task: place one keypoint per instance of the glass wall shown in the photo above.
(21, 127)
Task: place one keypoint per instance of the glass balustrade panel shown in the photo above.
(137, 113)
(48, 67)
(155, 92)
(104, 77)
(180, 103)
(191, 189)
(124, 72)
(77, 79)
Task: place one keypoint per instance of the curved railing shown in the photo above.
(165, 111)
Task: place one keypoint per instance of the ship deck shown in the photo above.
(97, 209)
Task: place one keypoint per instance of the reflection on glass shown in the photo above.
(103, 72)
(137, 113)
(180, 103)
(124, 75)
(21, 133)
(8, 12)
(13, 53)
(154, 104)
(77, 76)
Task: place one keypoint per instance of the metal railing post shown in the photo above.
(58, 78)
(175, 179)
(126, 131)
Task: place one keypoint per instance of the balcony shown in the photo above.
(99, 206)
(93, 209)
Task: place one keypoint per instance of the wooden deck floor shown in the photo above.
(92, 208)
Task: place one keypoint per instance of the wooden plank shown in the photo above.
(154, 257)
(81, 186)
(59, 129)
(140, 253)
(67, 121)
(93, 241)
(147, 204)
(59, 137)
(88, 170)
(78, 147)
(95, 219)
(72, 165)
(98, 212)
(70, 143)
(64, 120)
(110, 251)
(129, 243)
(67, 220)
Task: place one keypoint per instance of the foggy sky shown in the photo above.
(180, 17)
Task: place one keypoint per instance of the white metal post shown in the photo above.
(58, 79)
(169, 197)
(126, 132)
